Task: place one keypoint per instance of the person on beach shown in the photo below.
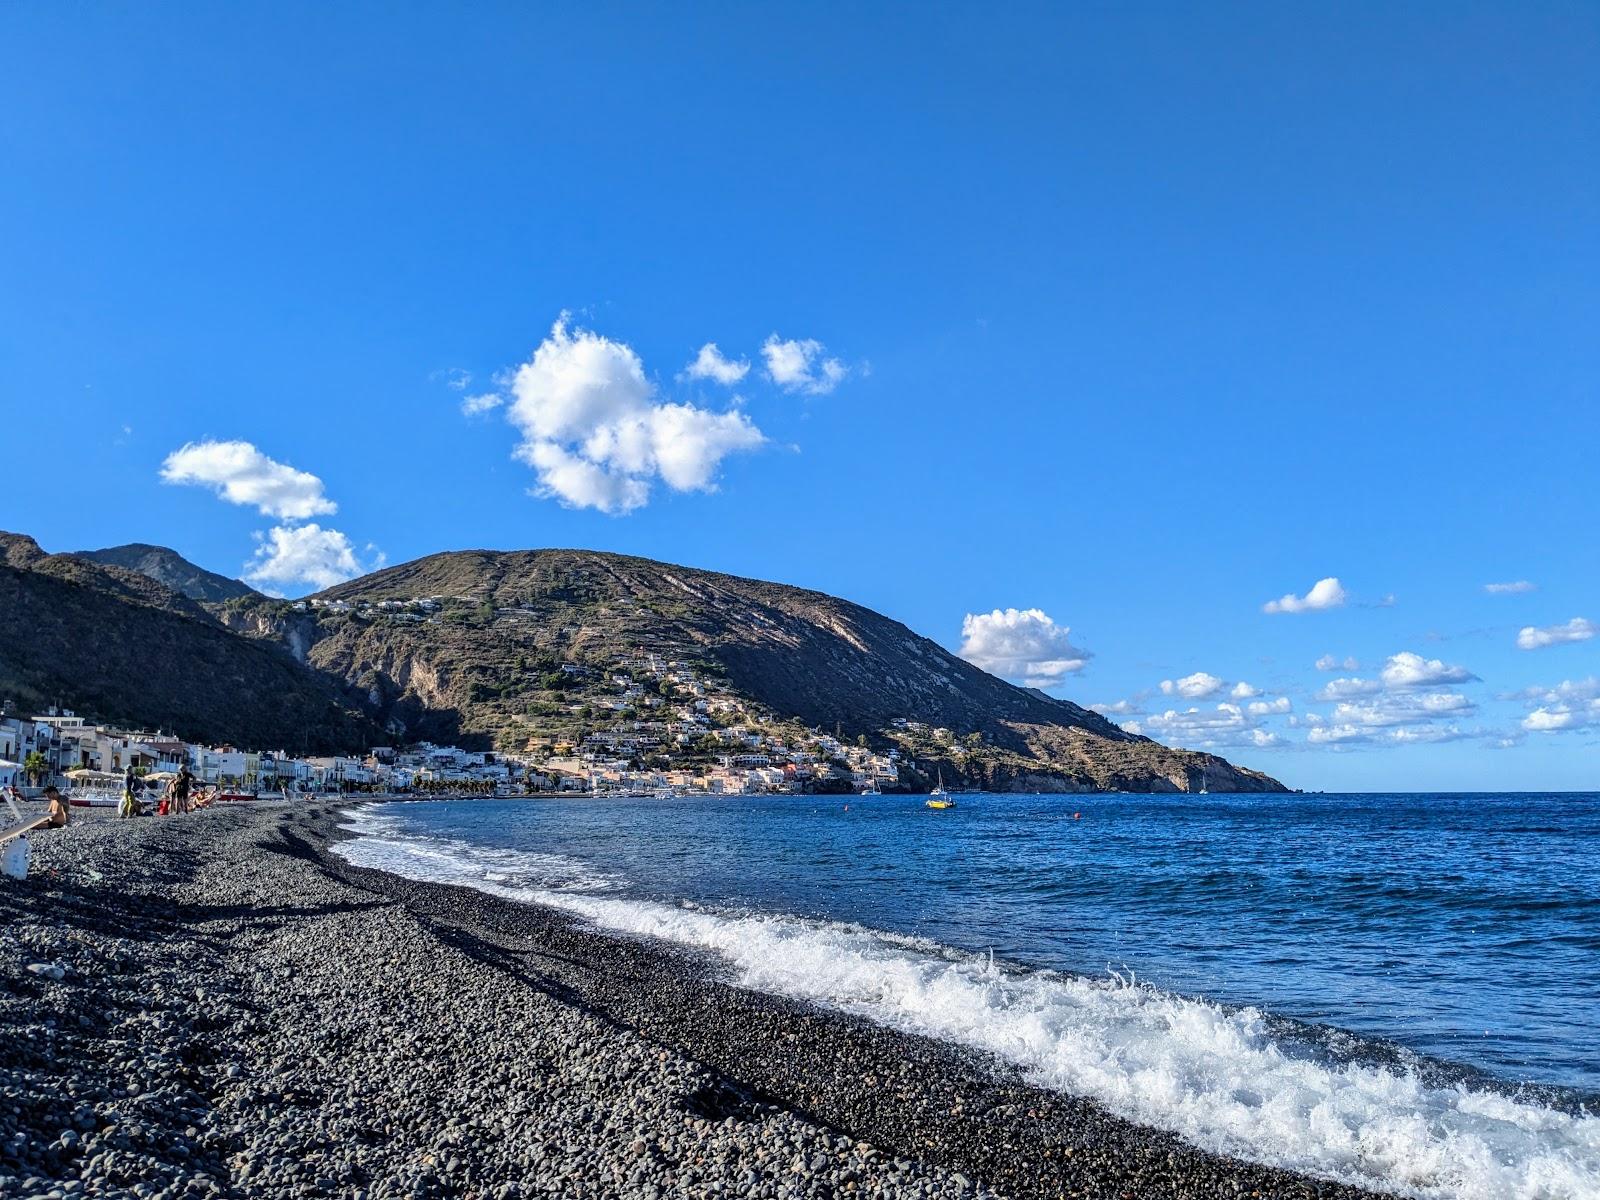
(58, 807)
(177, 798)
(130, 794)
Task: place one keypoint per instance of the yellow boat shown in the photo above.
(940, 803)
(939, 798)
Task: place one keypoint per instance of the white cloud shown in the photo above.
(241, 474)
(1348, 688)
(710, 364)
(1021, 644)
(594, 430)
(802, 366)
(1244, 691)
(1408, 670)
(1225, 726)
(1266, 708)
(473, 406)
(1562, 718)
(1325, 593)
(1408, 708)
(1515, 588)
(1564, 692)
(290, 557)
(1199, 686)
(1337, 736)
(1329, 663)
(1570, 704)
(1121, 708)
(1579, 629)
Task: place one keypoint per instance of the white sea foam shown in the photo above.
(1211, 1074)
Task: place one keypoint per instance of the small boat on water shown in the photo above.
(939, 798)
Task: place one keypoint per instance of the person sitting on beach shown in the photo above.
(58, 807)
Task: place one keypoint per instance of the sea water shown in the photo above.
(1400, 991)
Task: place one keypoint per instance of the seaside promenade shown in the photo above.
(217, 1006)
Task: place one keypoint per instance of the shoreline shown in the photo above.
(288, 1021)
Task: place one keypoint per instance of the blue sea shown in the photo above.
(1400, 991)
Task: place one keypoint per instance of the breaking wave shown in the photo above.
(1227, 1079)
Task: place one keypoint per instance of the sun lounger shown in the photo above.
(25, 826)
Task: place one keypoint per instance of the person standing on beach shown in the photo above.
(180, 789)
(130, 794)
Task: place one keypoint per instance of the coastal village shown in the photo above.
(645, 725)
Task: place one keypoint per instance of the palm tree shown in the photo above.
(34, 766)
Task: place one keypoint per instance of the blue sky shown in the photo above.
(1140, 319)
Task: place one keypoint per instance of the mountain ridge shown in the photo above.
(513, 649)
(112, 643)
(168, 567)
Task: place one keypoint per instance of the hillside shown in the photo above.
(115, 644)
(527, 649)
(465, 646)
(172, 570)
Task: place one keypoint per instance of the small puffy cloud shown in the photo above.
(1325, 593)
(1407, 670)
(457, 379)
(241, 474)
(802, 366)
(1562, 693)
(1338, 735)
(1329, 663)
(710, 364)
(1223, 727)
(1348, 688)
(1021, 644)
(1244, 691)
(1515, 588)
(1408, 708)
(1562, 718)
(1120, 708)
(1346, 735)
(1267, 708)
(1579, 629)
(1569, 705)
(292, 557)
(476, 406)
(1199, 686)
(596, 433)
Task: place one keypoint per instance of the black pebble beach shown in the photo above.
(217, 1005)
